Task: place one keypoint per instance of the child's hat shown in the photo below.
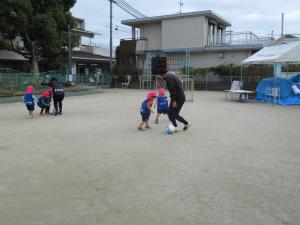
(29, 89)
(151, 94)
(162, 91)
(47, 93)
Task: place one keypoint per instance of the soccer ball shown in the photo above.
(170, 129)
(53, 111)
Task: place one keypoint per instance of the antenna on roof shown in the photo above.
(180, 5)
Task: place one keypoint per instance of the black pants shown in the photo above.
(47, 109)
(174, 114)
(58, 99)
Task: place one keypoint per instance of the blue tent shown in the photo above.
(287, 96)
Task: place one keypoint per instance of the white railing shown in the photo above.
(239, 38)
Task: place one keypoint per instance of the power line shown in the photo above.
(133, 9)
(129, 9)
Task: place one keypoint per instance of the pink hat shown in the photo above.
(29, 89)
(47, 93)
(151, 94)
(162, 91)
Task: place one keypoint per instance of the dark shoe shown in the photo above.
(148, 127)
(186, 126)
(60, 113)
(156, 121)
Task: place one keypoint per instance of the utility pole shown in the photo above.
(110, 39)
(127, 8)
(69, 51)
(282, 23)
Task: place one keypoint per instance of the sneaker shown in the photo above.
(186, 126)
(60, 113)
(148, 127)
(139, 128)
(177, 129)
(156, 121)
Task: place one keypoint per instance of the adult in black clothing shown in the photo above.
(58, 95)
(177, 95)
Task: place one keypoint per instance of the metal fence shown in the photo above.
(197, 83)
(93, 81)
(14, 83)
(221, 83)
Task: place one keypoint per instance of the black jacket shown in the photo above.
(57, 88)
(175, 88)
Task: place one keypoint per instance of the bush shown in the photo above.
(221, 70)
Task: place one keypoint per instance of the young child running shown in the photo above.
(162, 104)
(29, 99)
(146, 110)
(44, 101)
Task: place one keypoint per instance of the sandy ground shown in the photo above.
(239, 164)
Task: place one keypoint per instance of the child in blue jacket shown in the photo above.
(146, 110)
(162, 104)
(29, 99)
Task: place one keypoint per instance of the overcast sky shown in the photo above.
(259, 16)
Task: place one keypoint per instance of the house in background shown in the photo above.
(11, 59)
(87, 57)
(198, 39)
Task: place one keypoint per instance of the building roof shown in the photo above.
(11, 55)
(207, 13)
(79, 55)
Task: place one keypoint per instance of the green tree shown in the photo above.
(41, 24)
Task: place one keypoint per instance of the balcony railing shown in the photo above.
(238, 39)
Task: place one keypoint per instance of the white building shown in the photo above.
(201, 38)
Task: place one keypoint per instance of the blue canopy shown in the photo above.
(287, 96)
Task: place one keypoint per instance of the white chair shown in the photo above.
(296, 90)
(235, 86)
(268, 93)
(272, 93)
(276, 94)
(126, 85)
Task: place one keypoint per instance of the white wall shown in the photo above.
(184, 32)
(153, 33)
(95, 50)
(209, 59)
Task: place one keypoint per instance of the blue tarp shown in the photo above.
(287, 96)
